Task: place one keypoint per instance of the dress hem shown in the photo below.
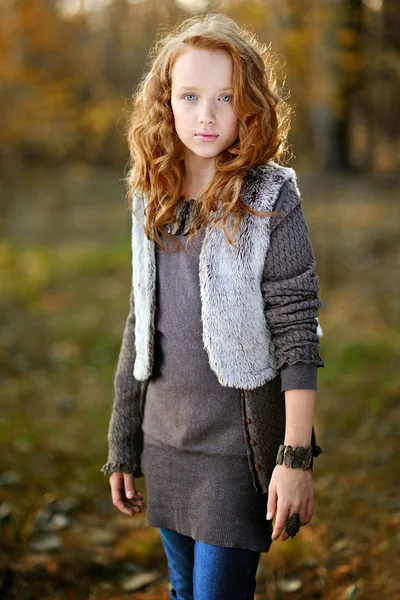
(226, 544)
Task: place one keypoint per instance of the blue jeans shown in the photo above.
(200, 571)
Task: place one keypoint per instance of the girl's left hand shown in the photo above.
(289, 491)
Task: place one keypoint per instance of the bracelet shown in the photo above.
(299, 457)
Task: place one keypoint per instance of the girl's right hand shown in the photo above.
(124, 495)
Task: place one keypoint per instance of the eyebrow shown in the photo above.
(199, 89)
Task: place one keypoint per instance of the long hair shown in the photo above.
(156, 164)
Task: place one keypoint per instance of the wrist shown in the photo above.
(298, 441)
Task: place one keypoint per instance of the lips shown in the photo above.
(207, 136)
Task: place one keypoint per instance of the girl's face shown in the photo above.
(201, 100)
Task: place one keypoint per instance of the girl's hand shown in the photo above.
(290, 491)
(124, 495)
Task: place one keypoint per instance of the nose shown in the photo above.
(206, 114)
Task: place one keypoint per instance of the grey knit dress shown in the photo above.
(194, 455)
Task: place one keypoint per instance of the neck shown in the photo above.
(198, 174)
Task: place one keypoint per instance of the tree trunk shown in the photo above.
(336, 63)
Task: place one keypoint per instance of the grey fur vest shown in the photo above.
(235, 332)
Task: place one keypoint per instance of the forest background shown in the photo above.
(67, 72)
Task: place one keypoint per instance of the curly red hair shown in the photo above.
(156, 165)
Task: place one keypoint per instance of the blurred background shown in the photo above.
(67, 72)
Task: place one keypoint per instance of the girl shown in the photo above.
(217, 373)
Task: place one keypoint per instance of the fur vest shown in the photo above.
(235, 332)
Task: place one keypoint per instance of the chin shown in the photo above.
(208, 148)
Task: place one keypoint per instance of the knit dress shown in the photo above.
(194, 455)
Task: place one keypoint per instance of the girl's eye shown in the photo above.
(225, 95)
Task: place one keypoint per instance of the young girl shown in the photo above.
(217, 373)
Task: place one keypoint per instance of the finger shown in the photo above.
(116, 484)
(281, 518)
(272, 501)
(292, 511)
(130, 491)
(118, 495)
(303, 513)
(120, 502)
(284, 536)
(134, 500)
(127, 510)
(126, 506)
(309, 511)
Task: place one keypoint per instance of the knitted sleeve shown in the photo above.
(290, 289)
(125, 433)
